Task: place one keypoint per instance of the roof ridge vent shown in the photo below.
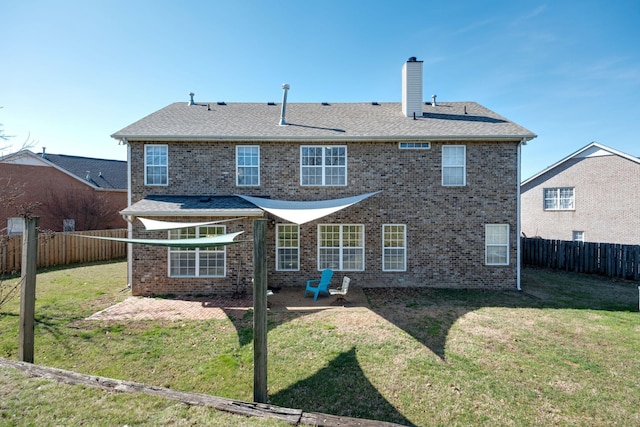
(191, 101)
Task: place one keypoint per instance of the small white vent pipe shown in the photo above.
(285, 88)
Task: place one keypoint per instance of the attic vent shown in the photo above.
(374, 103)
(271, 103)
(221, 103)
(191, 101)
(325, 103)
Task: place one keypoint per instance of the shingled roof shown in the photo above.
(323, 122)
(101, 173)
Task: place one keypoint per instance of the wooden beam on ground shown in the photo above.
(260, 310)
(28, 289)
(291, 416)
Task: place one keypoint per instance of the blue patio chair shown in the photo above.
(322, 284)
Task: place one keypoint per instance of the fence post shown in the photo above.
(28, 289)
(260, 311)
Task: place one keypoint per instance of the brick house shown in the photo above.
(445, 213)
(72, 193)
(590, 195)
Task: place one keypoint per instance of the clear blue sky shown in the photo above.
(74, 72)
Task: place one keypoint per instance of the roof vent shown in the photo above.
(285, 88)
(271, 103)
(191, 101)
(374, 103)
(221, 103)
(412, 59)
(88, 177)
(433, 100)
(325, 103)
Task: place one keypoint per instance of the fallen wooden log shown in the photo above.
(249, 409)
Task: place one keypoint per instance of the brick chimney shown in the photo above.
(412, 87)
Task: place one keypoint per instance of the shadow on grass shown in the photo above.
(354, 395)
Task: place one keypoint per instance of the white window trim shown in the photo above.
(341, 247)
(487, 245)
(238, 166)
(574, 233)
(463, 166)
(197, 255)
(557, 198)
(278, 226)
(414, 145)
(15, 225)
(324, 166)
(404, 248)
(165, 166)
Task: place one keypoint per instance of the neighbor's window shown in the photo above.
(156, 167)
(68, 225)
(454, 165)
(578, 236)
(394, 247)
(561, 198)
(247, 165)
(198, 262)
(341, 247)
(14, 225)
(496, 237)
(323, 165)
(287, 247)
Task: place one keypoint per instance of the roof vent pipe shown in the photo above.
(192, 102)
(285, 88)
(433, 100)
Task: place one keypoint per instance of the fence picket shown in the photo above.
(63, 248)
(612, 260)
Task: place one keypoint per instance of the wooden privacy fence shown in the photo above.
(63, 248)
(608, 259)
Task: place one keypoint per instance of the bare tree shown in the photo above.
(90, 210)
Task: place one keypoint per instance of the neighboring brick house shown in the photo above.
(591, 195)
(70, 193)
(446, 214)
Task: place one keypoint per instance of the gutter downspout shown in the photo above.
(522, 142)
(130, 223)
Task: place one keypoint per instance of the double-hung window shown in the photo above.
(341, 247)
(559, 199)
(323, 165)
(198, 262)
(247, 165)
(394, 247)
(454, 165)
(496, 238)
(156, 166)
(288, 247)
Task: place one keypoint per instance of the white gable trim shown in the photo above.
(594, 149)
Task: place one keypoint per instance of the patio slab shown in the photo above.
(285, 299)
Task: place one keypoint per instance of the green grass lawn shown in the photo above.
(562, 352)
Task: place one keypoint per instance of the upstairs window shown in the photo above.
(578, 236)
(156, 166)
(323, 165)
(247, 165)
(14, 225)
(454, 165)
(68, 225)
(559, 199)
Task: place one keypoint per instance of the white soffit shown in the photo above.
(302, 212)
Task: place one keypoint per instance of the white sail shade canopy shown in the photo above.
(154, 225)
(201, 242)
(301, 212)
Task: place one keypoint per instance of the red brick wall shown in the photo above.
(47, 185)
